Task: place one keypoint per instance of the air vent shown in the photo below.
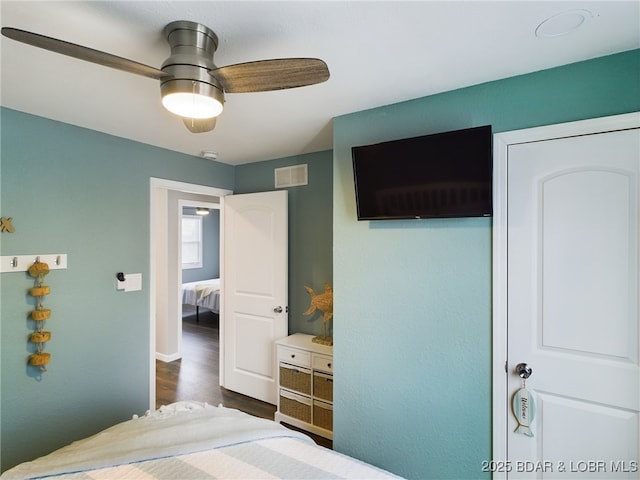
(291, 176)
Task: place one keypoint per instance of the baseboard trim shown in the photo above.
(168, 358)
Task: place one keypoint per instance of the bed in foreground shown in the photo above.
(192, 440)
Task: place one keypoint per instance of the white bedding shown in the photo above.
(191, 440)
(204, 293)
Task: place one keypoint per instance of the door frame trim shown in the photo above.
(501, 143)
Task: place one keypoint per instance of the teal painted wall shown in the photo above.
(86, 194)
(310, 229)
(412, 299)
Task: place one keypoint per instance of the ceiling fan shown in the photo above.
(191, 85)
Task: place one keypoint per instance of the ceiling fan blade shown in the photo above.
(275, 74)
(83, 53)
(200, 125)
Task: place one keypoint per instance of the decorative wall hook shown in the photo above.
(21, 263)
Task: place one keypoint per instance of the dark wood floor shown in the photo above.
(195, 376)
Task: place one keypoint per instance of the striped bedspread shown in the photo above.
(189, 440)
(263, 459)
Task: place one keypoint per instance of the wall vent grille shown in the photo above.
(293, 176)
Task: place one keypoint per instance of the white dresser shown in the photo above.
(305, 384)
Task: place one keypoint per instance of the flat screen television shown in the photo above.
(433, 176)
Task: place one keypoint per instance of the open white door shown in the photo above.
(570, 268)
(254, 292)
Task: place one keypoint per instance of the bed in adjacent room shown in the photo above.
(203, 293)
(192, 440)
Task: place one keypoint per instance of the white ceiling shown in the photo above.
(378, 53)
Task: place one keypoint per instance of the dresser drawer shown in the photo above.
(323, 414)
(322, 362)
(294, 356)
(295, 406)
(323, 386)
(295, 378)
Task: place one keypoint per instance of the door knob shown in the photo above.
(523, 370)
(278, 309)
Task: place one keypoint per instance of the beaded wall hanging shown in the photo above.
(40, 358)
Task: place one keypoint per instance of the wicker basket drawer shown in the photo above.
(323, 386)
(323, 415)
(295, 406)
(295, 378)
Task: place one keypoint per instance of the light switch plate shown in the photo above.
(132, 282)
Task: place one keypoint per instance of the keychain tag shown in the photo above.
(524, 410)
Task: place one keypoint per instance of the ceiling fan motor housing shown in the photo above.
(192, 48)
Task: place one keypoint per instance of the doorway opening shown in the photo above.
(165, 303)
(199, 256)
(165, 272)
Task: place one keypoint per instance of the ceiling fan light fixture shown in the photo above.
(192, 98)
(191, 85)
